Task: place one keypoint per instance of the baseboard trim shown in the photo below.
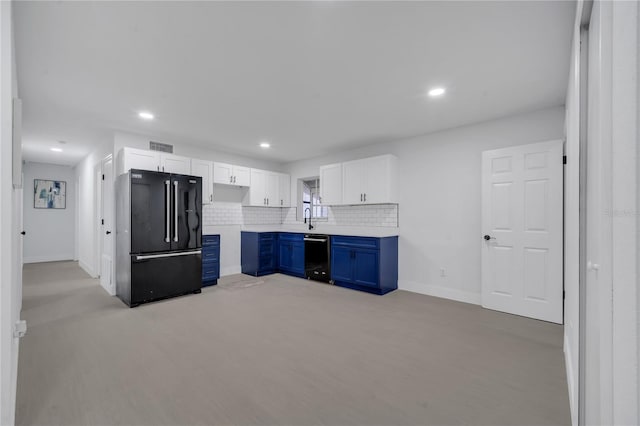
(439, 291)
(48, 258)
(230, 270)
(571, 380)
(110, 291)
(88, 269)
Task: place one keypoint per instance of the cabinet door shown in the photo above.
(140, 159)
(297, 258)
(257, 189)
(222, 173)
(352, 178)
(285, 255)
(341, 264)
(204, 169)
(242, 176)
(284, 190)
(271, 189)
(365, 267)
(170, 163)
(331, 184)
(379, 180)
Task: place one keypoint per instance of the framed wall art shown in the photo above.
(49, 194)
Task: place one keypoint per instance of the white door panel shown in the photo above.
(522, 213)
(106, 259)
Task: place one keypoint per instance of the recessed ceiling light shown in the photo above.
(437, 91)
(146, 115)
(56, 149)
(265, 144)
(62, 142)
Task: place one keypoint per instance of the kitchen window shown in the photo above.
(311, 206)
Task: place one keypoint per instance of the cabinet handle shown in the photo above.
(282, 202)
(360, 197)
(234, 179)
(158, 168)
(267, 201)
(365, 197)
(163, 168)
(175, 212)
(264, 201)
(230, 179)
(210, 197)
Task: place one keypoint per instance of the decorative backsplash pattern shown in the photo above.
(223, 213)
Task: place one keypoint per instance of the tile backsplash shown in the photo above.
(229, 213)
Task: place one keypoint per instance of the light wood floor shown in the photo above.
(279, 351)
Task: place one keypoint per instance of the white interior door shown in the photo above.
(106, 261)
(522, 217)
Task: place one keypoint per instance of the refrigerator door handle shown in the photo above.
(175, 207)
(158, 256)
(168, 205)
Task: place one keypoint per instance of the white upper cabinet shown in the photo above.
(241, 176)
(331, 184)
(284, 190)
(204, 169)
(228, 174)
(133, 158)
(264, 189)
(170, 163)
(366, 181)
(370, 180)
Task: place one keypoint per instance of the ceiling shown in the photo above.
(309, 77)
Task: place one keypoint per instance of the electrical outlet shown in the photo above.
(442, 273)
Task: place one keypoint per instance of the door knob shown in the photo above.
(489, 237)
(23, 233)
(108, 232)
(592, 266)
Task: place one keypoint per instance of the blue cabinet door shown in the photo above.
(341, 264)
(365, 267)
(297, 258)
(285, 255)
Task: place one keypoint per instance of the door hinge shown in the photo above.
(102, 221)
(103, 177)
(564, 159)
(20, 328)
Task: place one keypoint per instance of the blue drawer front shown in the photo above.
(210, 259)
(286, 236)
(360, 242)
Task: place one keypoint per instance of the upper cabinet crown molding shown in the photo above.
(366, 181)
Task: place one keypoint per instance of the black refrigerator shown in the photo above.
(158, 236)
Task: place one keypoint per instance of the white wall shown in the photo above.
(50, 233)
(439, 197)
(572, 221)
(87, 246)
(10, 286)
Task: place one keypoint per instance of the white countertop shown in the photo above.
(321, 228)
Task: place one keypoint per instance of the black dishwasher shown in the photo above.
(316, 257)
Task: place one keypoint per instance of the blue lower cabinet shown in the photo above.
(210, 259)
(363, 263)
(291, 254)
(258, 253)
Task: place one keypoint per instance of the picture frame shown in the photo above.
(49, 194)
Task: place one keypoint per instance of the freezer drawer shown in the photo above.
(160, 276)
